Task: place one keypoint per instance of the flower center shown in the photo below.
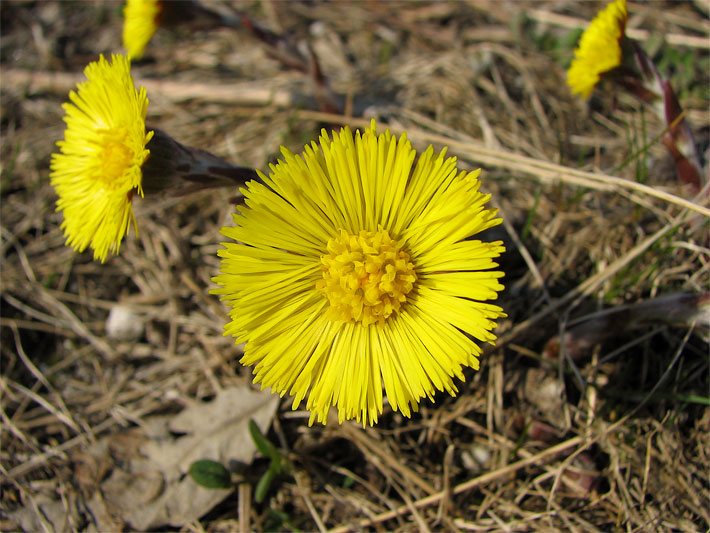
(366, 277)
(116, 157)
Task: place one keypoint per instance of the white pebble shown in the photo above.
(123, 324)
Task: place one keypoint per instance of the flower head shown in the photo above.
(352, 270)
(140, 24)
(599, 49)
(98, 168)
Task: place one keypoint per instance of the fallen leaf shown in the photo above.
(45, 514)
(150, 487)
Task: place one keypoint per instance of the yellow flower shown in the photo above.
(599, 49)
(98, 168)
(139, 26)
(352, 270)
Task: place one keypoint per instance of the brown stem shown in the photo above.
(179, 169)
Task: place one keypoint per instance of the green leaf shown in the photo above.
(210, 474)
(262, 443)
(262, 488)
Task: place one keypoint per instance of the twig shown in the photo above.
(370, 448)
(250, 93)
(445, 503)
(37, 460)
(309, 504)
(57, 413)
(244, 492)
(61, 408)
(506, 443)
(466, 486)
(36, 326)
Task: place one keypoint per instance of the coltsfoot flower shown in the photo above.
(352, 271)
(142, 18)
(599, 49)
(140, 22)
(108, 156)
(98, 168)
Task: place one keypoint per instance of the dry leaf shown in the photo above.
(149, 486)
(45, 514)
(152, 488)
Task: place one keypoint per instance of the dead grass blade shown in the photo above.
(538, 458)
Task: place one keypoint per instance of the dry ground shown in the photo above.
(610, 433)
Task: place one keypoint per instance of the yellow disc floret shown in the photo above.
(116, 157)
(366, 277)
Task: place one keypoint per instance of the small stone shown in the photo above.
(481, 454)
(123, 324)
(476, 458)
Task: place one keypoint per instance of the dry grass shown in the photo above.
(611, 437)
